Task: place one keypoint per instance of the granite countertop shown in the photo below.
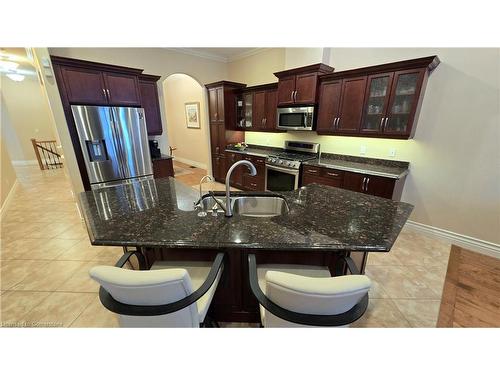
(376, 167)
(163, 157)
(160, 213)
(255, 150)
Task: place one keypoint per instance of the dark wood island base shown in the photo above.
(234, 301)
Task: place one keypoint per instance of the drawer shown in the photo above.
(258, 162)
(332, 173)
(255, 183)
(312, 170)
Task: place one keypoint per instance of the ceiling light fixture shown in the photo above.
(15, 77)
(8, 65)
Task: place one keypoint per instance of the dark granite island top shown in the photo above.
(161, 213)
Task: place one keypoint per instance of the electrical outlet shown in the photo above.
(392, 152)
(362, 150)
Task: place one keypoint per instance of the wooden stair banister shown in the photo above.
(48, 158)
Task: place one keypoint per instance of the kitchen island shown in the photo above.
(322, 224)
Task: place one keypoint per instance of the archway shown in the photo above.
(191, 143)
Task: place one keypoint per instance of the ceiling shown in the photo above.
(220, 54)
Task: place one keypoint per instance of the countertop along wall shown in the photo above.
(454, 179)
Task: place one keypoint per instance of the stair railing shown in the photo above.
(46, 154)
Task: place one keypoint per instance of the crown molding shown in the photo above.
(252, 52)
(215, 57)
(204, 55)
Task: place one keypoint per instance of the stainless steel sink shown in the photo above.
(263, 206)
(255, 206)
(208, 203)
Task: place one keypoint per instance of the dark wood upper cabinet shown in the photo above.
(299, 86)
(220, 105)
(151, 103)
(329, 105)
(259, 110)
(259, 105)
(271, 107)
(222, 108)
(377, 101)
(212, 105)
(403, 102)
(305, 88)
(378, 91)
(351, 105)
(122, 89)
(286, 90)
(84, 86)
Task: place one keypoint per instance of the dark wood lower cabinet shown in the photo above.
(163, 168)
(219, 167)
(240, 177)
(384, 187)
(233, 300)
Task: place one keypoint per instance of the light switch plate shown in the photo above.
(392, 152)
(362, 150)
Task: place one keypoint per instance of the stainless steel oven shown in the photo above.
(296, 118)
(281, 178)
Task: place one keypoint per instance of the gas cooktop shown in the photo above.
(289, 159)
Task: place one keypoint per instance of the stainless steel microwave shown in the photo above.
(296, 118)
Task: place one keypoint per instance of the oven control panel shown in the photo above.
(292, 164)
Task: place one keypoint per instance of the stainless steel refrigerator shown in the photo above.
(114, 143)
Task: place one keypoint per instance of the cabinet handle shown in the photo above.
(109, 96)
(367, 182)
(311, 171)
(262, 121)
(295, 96)
(334, 121)
(382, 123)
(265, 121)
(338, 122)
(104, 93)
(217, 149)
(385, 123)
(215, 115)
(291, 96)
(332, 174)
(363, 184)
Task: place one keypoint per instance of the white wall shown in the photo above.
(7, 172)
(454, 179)
(192, 145)
(25, 115)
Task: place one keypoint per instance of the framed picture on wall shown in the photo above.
(192, 114)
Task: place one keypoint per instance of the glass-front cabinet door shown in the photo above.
(248, 104)
(377, 98)
(404, 100)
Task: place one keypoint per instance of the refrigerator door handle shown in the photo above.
(116, 141)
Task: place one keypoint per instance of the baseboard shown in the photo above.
(24, 162)
(191, 162)
(6, 202)
(467, 242)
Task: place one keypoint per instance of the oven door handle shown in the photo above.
(280, 169)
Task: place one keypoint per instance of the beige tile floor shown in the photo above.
(45, 256)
